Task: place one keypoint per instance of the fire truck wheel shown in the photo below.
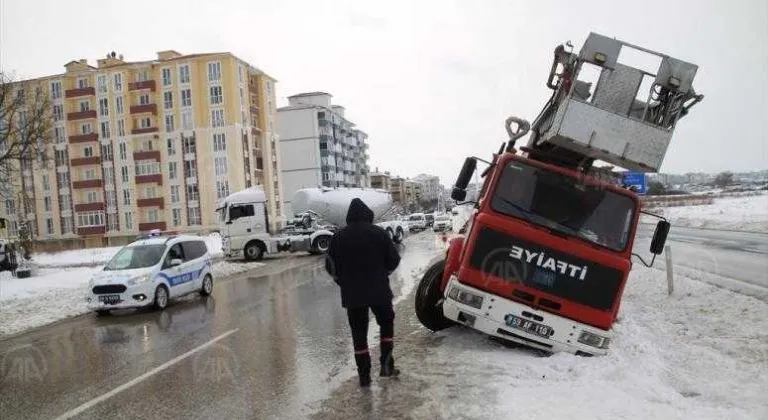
(429, 307)
(399, 235)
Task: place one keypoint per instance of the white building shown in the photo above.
(319, 146)
(430, 189)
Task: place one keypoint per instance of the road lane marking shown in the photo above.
(123, 387)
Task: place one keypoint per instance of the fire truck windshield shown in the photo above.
(563, 204)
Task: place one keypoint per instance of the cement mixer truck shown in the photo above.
(244, 223)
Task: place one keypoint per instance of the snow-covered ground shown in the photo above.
(742, 213)
(54, 294)
(100, 256)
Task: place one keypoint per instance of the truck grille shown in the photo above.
(109, 288)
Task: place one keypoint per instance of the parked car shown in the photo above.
(417, 221)
(442, 223)
(151, 271)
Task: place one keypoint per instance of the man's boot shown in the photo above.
(363, 361)
(387, 360)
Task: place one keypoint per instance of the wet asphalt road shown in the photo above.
(265, 345)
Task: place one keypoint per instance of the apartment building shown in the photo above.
(380, 180)
(320, 146)
(151, 145)
(430, 186)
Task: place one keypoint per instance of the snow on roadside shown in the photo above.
(53, 295)
(98, 256)
(701, 353)
(742, 213)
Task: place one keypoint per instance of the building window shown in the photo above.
(217, 118)
(175, 194)
(46, 183)
(169, 123)
(150, 192)
(144, 99)
(103, 107)
(85, 106)
(10, 207)
(145, 122)
(193, 194)
(152, 216)
(126, 197)
(184, 73)
(222, 189)
(168, 100)
(66, 225)
(58, 133)
(47, 203)
(82, 83)
(49, 226)
(142, 76)
(58, 112)
(194, 216)
(220, 165)
(108, 174)
(88, 151)
(214, 71)
(111, 199)
(176, 217)
(171, 147)
(112, 223)
(186, 97)
(90, 218)
(86, 128)
(188, 145)
(121, 128)
(92, 197)
(166, 77)
(119, 82)
(173, 170)
(219, 142)
(101, 83)
(190, 168)
(119, 105)
(123, 151)
(105, 130)
(129, 220)
(146, 145)
(216, 95)
(56, 90)
(186, 120)
(147, 167)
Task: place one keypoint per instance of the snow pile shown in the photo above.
(700, 354)
(58, 294)
(92, 257)
(742, 213)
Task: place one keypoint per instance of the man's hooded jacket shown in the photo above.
(360, 258)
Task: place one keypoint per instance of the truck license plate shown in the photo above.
(109, 299)
(528, 326)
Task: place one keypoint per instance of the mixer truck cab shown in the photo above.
(244, 227)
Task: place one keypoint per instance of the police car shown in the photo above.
(151, 271)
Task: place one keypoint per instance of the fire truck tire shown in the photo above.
(399, 235)
(429, 307)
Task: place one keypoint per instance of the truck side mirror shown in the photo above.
(660, 237)
(459, 192)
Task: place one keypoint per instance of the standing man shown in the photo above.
(360, 259)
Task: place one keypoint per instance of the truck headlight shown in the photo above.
(138, 280)
(466, 298)
(594, 340)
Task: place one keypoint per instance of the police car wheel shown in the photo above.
(161, 298)
(207, 288)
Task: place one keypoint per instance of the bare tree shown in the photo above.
(25, 132)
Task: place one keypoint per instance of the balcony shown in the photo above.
(91, 230)
(143, 109)
(150, 179)
(81, 115)
(90, 183)
(93, 160)
(76, 93)
(143, 227)
(84, 138)
(144, 130)
(147, 155)
(89, 207)
(147, 84)
(151, 202)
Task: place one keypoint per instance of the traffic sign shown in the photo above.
(637, 181)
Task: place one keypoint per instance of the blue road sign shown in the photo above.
(636, 181)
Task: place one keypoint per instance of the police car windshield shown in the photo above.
(564, 205)
(419, 217)
(138, 256)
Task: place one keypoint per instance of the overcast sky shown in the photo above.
(430, 81)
